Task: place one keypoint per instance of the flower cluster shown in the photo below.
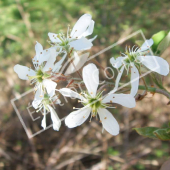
(64, 54)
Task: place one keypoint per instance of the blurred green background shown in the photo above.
(24, 22)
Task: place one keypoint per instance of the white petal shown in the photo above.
(117, 80)
(81, 44)
(43, 122)
(81, 25)
(37, 98)
(109, 123)
(155, 63)
(78, 117)
(23, 72)
(58, 65)
(53, 37)
(38, 48)
(70, 93)
(134, 80)
(146, 45)
(91, 78)
(77, 63)
(89, 30)
(41, 55)
(126, 100)
(50, 62)
(55, 119)
(116, 63)
(50, 86)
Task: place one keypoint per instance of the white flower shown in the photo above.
(135, 58)
(42, 73)
(45, 106)
(94, 103)
(77, 38)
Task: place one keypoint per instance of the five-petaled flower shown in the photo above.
(135, 58)
(45, 105)
(77, 38)
(94, 102)
(41, 76)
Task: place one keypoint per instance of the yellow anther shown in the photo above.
(83, 116)
(111, 101)
(105, 118)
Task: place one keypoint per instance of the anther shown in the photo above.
(40, 52)
(111, 101)
(105, 118)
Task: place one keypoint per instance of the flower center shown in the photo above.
(95, 102)
(40, 75)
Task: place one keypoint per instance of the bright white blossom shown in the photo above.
(77, 37)
(95, 103)
(44, 68)
(133, 59)
(45, 105)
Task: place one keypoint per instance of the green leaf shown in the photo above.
(157, 38)
(147, 131)
(162, 134)
(154, 133)
(163, 45)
